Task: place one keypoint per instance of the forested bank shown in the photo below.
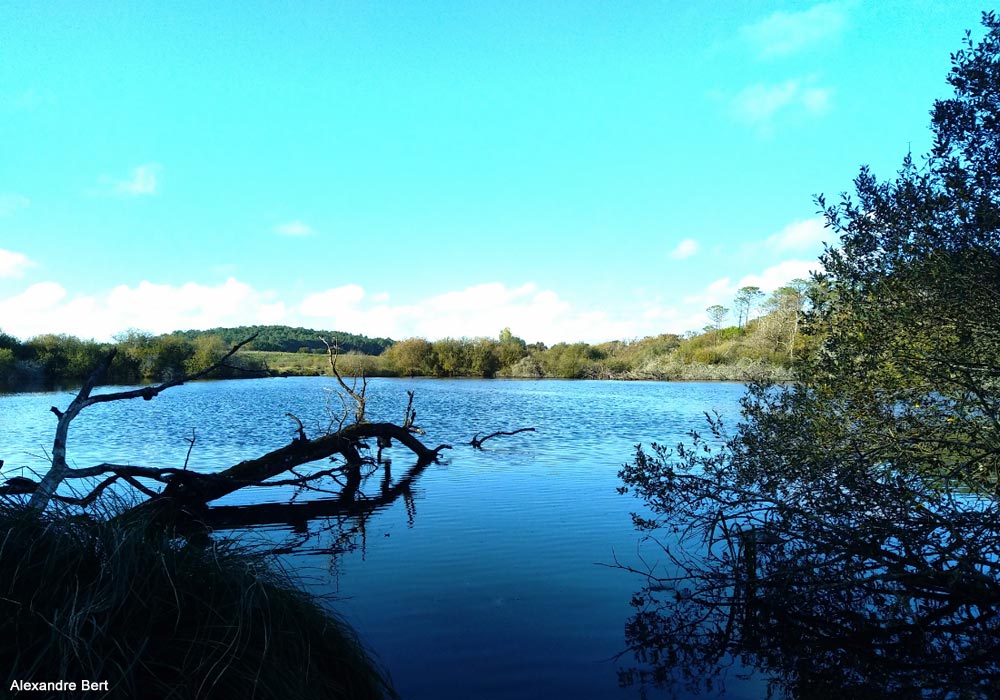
(765, 342)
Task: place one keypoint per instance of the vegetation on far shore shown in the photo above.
(764, 343)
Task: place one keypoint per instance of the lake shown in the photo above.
(483, 578)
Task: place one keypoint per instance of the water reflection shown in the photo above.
(848, 616)
(333, 524)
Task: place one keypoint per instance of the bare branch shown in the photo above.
(478, 443)
(359, 398)
(59, 469)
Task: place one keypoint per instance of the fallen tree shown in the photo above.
(182, 489)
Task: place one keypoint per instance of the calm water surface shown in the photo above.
(484, 579)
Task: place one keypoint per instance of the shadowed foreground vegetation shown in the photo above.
(123, 602)
(843, 537)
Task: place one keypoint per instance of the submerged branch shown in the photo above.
(477, 442)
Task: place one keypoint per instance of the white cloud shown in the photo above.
(758, 104)
(144, 181)
(723, 290)
(10, 202)
(779, 275)
(800, 235)
(533, 313)
(786, 33)
(47, 307)
(294, 228)
(271, 313)
(684, 249)
(332, 301)
(13, 264)
(480, 310)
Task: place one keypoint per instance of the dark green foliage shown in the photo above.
(567, 361)
(846, 535)
(50, 361)
(288, 339)
(123, 602)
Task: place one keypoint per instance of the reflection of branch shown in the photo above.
(346, 504)
(478, 443)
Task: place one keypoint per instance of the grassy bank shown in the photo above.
(121, 602)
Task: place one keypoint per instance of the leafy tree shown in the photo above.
(483, 356)
(449, 357)
(411, 357)
(289, 339)
(846, 534)
(511, 348)
(568, 361)
(746, 299)
(7, 365)
(717, 313)
(207, 350)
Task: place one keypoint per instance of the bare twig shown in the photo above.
(410, 415)
(190, 442)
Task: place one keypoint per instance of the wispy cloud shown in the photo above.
(759, 104)
(787, 33)
(27, 100)
(684, 249)
(294, 228)
(13, 264)
(10, 202)
(800, 235)
(142, 182)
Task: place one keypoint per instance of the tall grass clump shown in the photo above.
(120, 600)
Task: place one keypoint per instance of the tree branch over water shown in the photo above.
(184, 489)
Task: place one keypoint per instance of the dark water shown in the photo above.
(483, 579)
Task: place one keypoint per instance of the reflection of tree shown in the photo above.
(876, 603)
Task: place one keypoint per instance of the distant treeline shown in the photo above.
(288, 339)
(766, 341)
(54, 361)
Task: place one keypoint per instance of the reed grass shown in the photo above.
(117, 599)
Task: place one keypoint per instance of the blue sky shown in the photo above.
(572, 170)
